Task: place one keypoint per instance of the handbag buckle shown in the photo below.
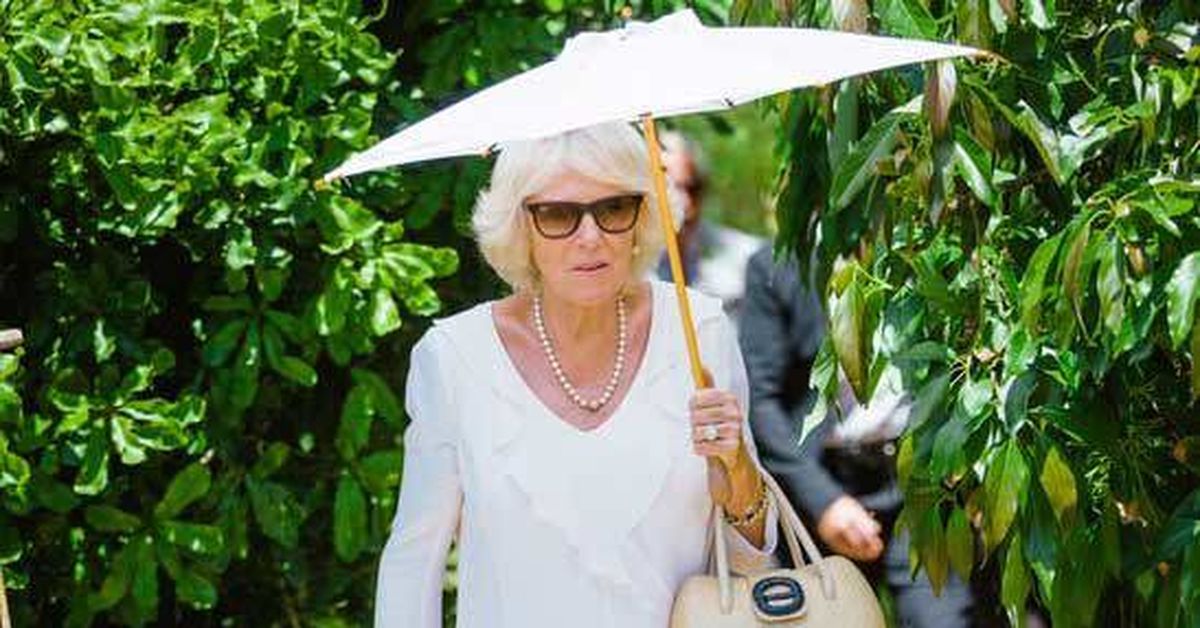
(778, 597)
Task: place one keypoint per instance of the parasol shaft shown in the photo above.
(668, 227)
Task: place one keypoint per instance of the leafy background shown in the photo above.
(204, 424)
(1019, 239)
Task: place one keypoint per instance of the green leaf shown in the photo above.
(354, 429)
(143, 582)
(935, 554)
(1059, 483)
(847, 322)
(107, 518)
(277, 511)
(385, 316)
(383, 399)
(93, 475)
(1016, 400)
(1073, 268)
(960, 543)
(194, 589)
(116, 582)
(380, 471)
(187, 486)
(297, 370)
(54, 40)
(197, 538)
(975, 396)
(1196, 360)
(1014, 585)
(1006, 481)
(859, 166)
(222, 344)
(1110, 285)
(1033, 283)
(1040, 13)
(349, 520)
(246, 369)
(974, 165)
(948, 458)
(930, 399)
(1181, 529)
(290, 326)
(907, 18)
(50, 493)
(332, 305)
(1044, 140)
(1182, 291)
(270, 461)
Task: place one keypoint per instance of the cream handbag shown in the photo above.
(825, 593)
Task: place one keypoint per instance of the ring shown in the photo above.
(710, 433)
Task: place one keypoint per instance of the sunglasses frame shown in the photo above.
(586, 208)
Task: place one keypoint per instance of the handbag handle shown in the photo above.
(794, 532)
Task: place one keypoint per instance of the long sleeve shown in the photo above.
(409, 586)
(771, 304)
(730, 373)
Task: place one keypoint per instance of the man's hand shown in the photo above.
(848, 529)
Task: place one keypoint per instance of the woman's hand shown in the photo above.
(717, 420)
(717, 426)
(733, 479)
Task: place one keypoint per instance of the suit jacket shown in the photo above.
(781, 328)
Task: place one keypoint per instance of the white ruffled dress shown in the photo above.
(556, 527)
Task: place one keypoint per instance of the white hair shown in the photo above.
(611, 153)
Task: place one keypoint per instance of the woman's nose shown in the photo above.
(588, 231)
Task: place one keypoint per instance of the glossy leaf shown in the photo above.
(349, 519)
(1059, 484)
(1182, 292)
(1006, 481)
(859, 166)
(960, 544)
(187, 486)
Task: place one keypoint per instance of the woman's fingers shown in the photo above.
(715, 415)
(711, 398)
(715, 431)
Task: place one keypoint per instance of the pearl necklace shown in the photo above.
(539, 324)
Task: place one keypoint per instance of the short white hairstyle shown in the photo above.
(612, 153)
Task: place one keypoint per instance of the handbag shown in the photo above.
(826, 592)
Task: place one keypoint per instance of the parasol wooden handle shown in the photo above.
(718, 479)
(10, 339)
(668, 227)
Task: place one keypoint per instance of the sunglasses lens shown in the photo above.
(556, 220)
(617, 214)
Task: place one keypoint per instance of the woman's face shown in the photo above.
(591, 265)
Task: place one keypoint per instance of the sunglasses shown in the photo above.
(560, 219)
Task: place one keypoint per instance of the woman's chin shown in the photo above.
(588, 288)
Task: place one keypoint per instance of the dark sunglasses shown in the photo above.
(560, 219)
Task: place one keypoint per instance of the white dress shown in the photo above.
(555, 526)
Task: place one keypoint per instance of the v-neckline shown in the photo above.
(604, 426)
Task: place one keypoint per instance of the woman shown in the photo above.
(557, 431)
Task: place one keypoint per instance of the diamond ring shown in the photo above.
(710, 433)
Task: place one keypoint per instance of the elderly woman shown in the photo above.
(557, 431)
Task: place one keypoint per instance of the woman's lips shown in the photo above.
(589, 268)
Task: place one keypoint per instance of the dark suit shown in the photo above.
(782, 325)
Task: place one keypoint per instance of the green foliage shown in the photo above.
(206, 427)
(197, 311)
(1033, 242)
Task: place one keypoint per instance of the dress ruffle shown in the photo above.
(567, 476)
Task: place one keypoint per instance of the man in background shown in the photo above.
(843, 476)
(714, 256)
